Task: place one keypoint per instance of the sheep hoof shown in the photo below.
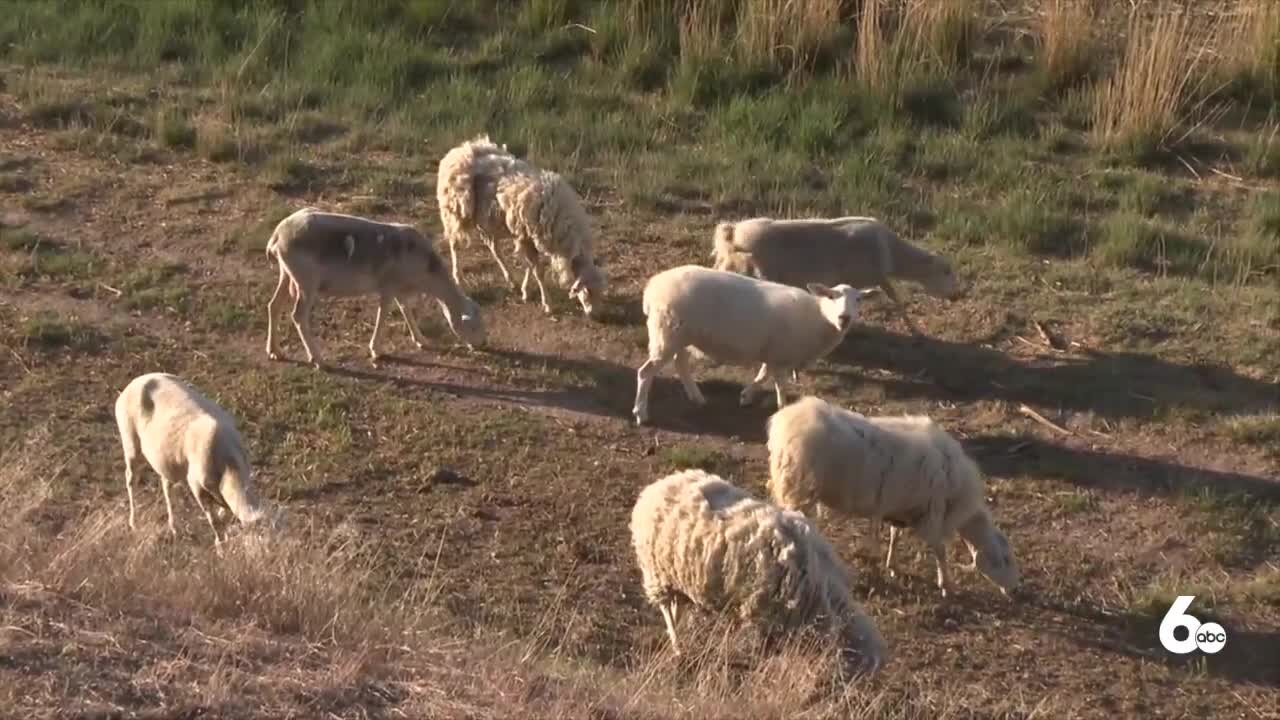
(641, 417)
(546, 309)
(273, 355)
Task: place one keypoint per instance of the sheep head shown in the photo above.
(839, 304)
(588, 286)
(940, 280)
(991, 552)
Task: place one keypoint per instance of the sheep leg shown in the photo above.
(132, 453)
(531, 257)
(415, 332)
(888, 558)
(453, 260)
(777, 389)
(902, 310)
(384, 306)
(302, 322)
(273, 352)
(670, 613)
(644, 381)
(196, 491)
(128, 488)
(168, 503)
(749, 392)
(940, 556)
(686, 378)
(872, 540)
(493, 250)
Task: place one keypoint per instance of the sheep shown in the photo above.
(325, 253)
(859, 251)
(739, 320)
(483, 190)
(182, 433)
(905, 470)
(703, 541)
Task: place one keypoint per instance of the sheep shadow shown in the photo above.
(575, 399)
(1249, 657)
(1112, 384)
(1024, 455)
(613, 386)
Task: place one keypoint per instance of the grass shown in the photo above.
(1147, 104)
(1147, 237)
(48, 331)
(1067, 53)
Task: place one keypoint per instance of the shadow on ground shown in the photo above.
(1003, 455)
(1113, 384)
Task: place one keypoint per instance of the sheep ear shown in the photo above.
(869, 292)
(821, 290)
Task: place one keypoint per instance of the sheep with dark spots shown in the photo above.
(331, 254)
(183, 434)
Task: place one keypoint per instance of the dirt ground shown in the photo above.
(1108, 514)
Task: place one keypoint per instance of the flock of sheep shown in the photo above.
(781, 295)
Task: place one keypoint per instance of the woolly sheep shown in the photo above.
(483, 190)
(739, 320)
(700, 540)
(905, 470)
(184, 434)
(324, 253)
(859, 251)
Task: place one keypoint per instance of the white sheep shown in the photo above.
(905, 470)
(324, 253)
(483, 190)
(859, 251)
(738, 320)
(703, 541)
(184, 434)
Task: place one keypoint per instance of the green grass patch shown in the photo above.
(159, 286)
(685, 456)
(52, 331)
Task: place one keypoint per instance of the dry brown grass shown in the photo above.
(304, 622)
(1151, 96)
(787, 33)
(1064, 34)
(1249, 46)
(898, 45)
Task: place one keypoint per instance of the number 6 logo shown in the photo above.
(1209, 637)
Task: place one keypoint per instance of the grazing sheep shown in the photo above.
(483, 190)
(701, 540)
(859, 251)
(323, 253)
(904, 470)
(738, 320)
(183, 434)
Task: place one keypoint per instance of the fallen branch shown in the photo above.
(105, 286)
(1043, 420)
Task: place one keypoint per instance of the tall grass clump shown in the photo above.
(1149, 97)
(1064, 35)
(906, 57)
(1249, 47)
(788, 35)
